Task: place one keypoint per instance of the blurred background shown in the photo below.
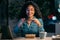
(10, 11)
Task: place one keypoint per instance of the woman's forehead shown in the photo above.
(30, 6)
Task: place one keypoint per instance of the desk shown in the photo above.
(37, 38)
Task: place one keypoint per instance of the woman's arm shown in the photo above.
(39, 23)
(41, 27)
(18, 25)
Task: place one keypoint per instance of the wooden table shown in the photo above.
(37, 38)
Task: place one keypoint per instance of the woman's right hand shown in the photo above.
(21, 22)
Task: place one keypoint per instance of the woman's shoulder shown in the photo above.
(40, 19)
(21, 19)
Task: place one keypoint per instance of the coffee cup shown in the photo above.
(42, 35)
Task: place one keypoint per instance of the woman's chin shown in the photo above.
(29, 16)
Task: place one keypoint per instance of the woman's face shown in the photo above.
(30, 11)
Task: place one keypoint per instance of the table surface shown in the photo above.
(37, 38)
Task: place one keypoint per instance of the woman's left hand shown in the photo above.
(37, 21)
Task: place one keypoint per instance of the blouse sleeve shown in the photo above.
(41, 27)
(17, 28)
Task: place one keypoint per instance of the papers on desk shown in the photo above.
(57, 37)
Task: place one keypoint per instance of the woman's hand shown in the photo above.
(21, 22)
(37, 22)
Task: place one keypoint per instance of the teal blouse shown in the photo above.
(25, 29)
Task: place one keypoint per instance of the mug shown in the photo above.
(42, 35)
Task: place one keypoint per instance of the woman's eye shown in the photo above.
(32, 10)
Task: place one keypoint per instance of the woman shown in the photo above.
(30, 20)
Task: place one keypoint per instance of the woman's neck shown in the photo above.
(29, 18)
